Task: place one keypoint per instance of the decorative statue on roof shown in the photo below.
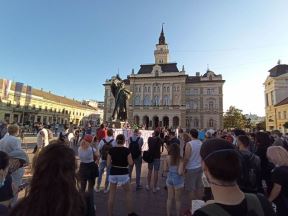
(121, 95)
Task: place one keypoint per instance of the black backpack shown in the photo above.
(105, 149)
(135, 148)
(249, 171)
(254, 207)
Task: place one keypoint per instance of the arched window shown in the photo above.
(168, 89)
(164, 89)
(196, 123)
(211, 105)
(158, 89)
(211, 123)
(137, 100)
(146, 100)
(148, 89)
(154, 89)
(145, 89)
(166, 100)
(156, 100)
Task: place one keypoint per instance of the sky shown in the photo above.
(70, 47)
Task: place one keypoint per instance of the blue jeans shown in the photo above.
(138, 165)
(102, 166)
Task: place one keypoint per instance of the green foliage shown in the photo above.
(285, 125)
(234, 118)
(261, 126)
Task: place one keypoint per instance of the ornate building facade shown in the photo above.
(165, 96)
(276, 98)
(26, 105)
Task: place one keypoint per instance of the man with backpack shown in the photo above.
(135, 147)
(104, 146)
(250, 178)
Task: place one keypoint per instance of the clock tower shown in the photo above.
(162, 52)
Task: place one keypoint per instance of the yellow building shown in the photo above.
(26, 105)
(281, 111)
(276, 97)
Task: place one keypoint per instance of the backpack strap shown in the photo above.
(104, 140)
(110, 141)
(214, 210)
(253, 204)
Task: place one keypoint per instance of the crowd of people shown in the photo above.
(223, 173)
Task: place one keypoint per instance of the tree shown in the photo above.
(285, 125)
(234, 118)
(261, 126)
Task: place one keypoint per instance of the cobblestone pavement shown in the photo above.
(144, 202)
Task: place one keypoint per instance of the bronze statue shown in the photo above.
(121, 95)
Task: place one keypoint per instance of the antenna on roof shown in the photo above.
(183, 69)
(279, 62)
(118, 72)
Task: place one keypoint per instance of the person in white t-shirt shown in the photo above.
(192, 167)
(8, 144)
(42, 137)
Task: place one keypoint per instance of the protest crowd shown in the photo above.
(224, 173)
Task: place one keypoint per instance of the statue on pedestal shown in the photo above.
(121, 95)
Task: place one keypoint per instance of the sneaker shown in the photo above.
(156, 189)
(106, 191)
(138, 187)
(97, 190)
(147, 187)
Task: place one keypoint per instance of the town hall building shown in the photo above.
(163, 95)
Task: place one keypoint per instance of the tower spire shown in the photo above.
(162, 37)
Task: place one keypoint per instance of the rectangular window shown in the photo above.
(284, 114)
(272, 98)
(279, 115)
(266, 100)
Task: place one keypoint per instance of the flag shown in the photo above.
(6, 88)
(28, 95)
(18, 91)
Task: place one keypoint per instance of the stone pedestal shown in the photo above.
(117, 124)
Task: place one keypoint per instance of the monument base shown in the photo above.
(117, 124)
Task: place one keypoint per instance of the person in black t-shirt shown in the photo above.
(119, 158)
(221, 166)
(279, 177)
(250, 179)
(154, 147)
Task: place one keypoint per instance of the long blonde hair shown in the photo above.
(278, 155)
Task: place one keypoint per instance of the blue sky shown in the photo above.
(71, 47)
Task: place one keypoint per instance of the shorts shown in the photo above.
(193, 179)
(174, 180)
(155, 164)
(119, 179)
